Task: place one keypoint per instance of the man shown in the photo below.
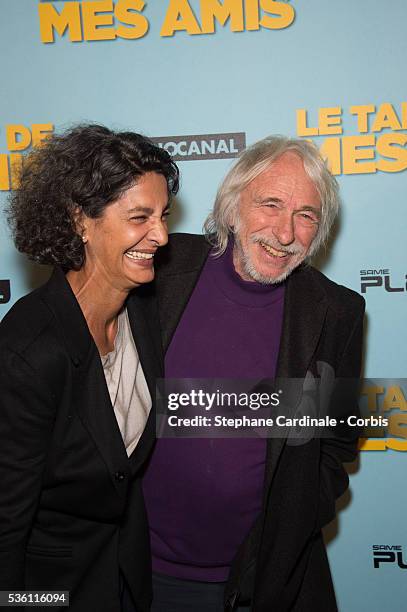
(242, 517)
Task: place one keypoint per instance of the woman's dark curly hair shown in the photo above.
(89, 167)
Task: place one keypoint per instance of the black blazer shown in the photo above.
(71, 506)
(282, 564)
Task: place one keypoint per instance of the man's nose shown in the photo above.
(284, 229)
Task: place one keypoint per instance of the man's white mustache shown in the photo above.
(291, 250)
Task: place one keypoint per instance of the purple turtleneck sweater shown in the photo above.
(203, 495)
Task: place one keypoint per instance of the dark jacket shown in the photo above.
(282, 563)
(71, 506)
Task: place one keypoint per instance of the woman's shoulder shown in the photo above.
(29, 333)
(26, 319)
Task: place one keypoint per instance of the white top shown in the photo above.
(127, 385)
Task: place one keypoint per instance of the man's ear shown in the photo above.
(79, 219)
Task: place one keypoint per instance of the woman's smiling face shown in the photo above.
(121, 244)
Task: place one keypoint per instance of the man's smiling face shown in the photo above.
(278, 219)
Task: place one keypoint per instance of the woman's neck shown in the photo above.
(100, 303)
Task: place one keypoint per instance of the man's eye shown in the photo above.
(166, 214)
(309, 218)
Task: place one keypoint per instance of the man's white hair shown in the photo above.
(224, 218)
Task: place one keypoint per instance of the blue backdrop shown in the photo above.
(204, 78)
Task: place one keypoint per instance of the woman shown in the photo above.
(77, 370)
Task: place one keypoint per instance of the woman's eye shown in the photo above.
(138, 219)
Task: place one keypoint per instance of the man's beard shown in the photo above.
(249, 268)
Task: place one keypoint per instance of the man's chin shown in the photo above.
(268, 280)
(270, 277)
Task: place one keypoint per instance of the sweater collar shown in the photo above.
(246, 293)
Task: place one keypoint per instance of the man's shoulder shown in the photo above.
(183, 253)
(339, 297)
(182, 239)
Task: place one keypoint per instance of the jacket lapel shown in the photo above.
(173, 295)
(90, 394)
(144, 322)
(92, 400)
(175, 287)
(304, 315)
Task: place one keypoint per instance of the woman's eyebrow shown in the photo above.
(144, 209)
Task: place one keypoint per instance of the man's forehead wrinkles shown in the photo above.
(290, 177)
(285, 189)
